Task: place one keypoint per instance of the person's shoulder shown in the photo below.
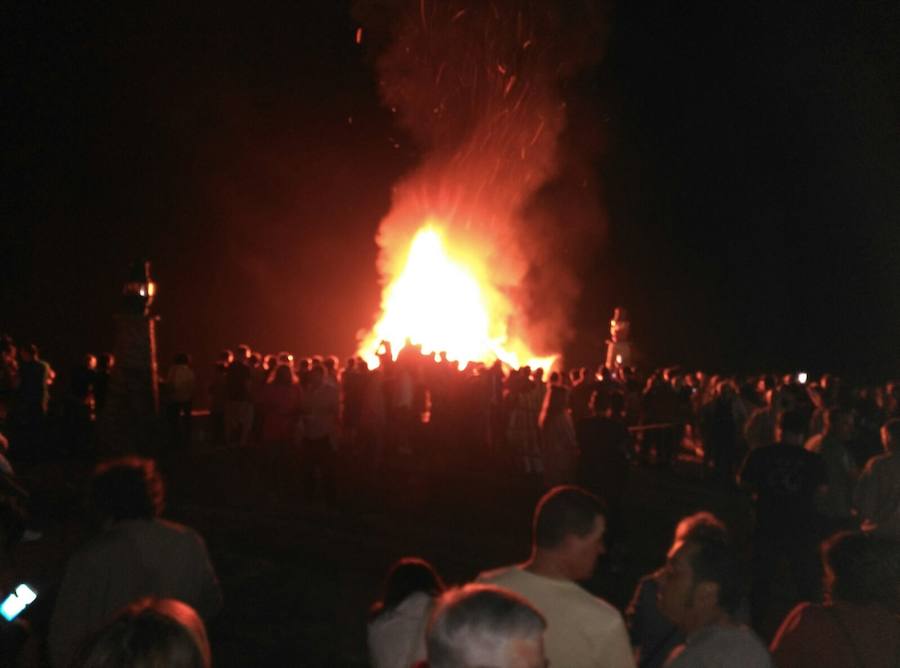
(500, 575)
(814, 443)
(882, 462)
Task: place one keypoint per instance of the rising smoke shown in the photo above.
(484, 89)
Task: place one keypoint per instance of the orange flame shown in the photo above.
(445, 302)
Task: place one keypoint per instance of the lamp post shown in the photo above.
(129, 422)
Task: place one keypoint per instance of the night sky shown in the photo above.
(749, 172)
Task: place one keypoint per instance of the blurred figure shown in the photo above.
(136, 554)
(181, 382)
(280, 401)
(149, 633)
(478, 625)
(238, 400)
(321, 407)
(397, 622)
(858, 625)
(833, 444)
(105, 364)
(784, 480)
(560, 451)
(218, 397)
(877, 494)
(9, 375)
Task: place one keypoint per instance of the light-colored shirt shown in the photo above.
(583, 631)
(397, 637)
(181, 381)
(721, 646)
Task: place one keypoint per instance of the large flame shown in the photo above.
(445, 303)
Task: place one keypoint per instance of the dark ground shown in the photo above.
(298, 578)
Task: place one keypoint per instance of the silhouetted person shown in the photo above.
(181, 382)
(877, 494)
(136, 554)
(321, 406)
(858, 625)
(785, 480)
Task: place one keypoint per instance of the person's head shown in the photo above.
(790, 428)
(862, 568)
(316, 376)
(701, 581)
(226, 357)
(105, 362)
(242, 353)
(182, 358)
(480, 625)
(127, 489)
(701, 524)
(408, 576)
(839, 423)
(29, 352)
(149, 633)
(890, 435)
(598, 403)
(568, 527)
(284, 375)
(90, 362)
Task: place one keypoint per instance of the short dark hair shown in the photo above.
(715, 560)
(792, 422)
(127, 488)
(863, 567)
(563, 511)
(474, 618)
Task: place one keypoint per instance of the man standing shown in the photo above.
(785, 480)
(583, 631)
(699, 593)
(321, 407)
(238, 403)
(833, 444)
(877, 494)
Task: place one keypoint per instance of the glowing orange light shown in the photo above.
(445, 303)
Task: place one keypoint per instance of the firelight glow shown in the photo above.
(446, 304)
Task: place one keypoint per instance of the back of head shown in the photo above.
(127, 488)
(792, 426)
(892, 429)
(715, 560)
(477, 625)
(863, 568)
(406, 577)
(701, 525)
(563, 511)
(150, 633)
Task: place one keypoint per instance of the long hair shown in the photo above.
(406, 577)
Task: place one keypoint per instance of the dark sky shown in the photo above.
(750, 174)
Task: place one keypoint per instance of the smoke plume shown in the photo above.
(484, 90)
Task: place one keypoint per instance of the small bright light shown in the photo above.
(17, 602)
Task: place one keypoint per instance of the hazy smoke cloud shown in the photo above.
(485, 89)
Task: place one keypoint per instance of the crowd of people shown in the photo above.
(818, 457)
(691, 613)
